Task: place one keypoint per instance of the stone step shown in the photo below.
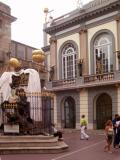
(29, 143)
(61, 147)
(40, 137)
(19, 140)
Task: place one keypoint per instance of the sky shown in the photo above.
(30, 17)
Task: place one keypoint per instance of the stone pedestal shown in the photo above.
(31, 144)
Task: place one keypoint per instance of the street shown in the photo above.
(78, 150)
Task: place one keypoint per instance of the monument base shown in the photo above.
(31, 145)
(11, 129)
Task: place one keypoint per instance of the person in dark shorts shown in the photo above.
(115, 130)
(109, 136)
(117, 133)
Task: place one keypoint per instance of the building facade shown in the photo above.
(5, 32)
(10, 48)
(84, 63)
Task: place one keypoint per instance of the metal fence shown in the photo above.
(31, 114)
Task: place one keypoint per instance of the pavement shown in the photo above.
(78, 150)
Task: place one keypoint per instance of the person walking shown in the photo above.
(108, 136)
(83, 128)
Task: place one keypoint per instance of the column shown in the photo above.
(118, 101)
(53, 55)
(118, 31)
(55, 109)
(118, 38)
(84, 50)
(84, 105)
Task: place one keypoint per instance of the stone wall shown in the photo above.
(21, 51)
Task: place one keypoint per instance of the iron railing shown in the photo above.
(32, 113)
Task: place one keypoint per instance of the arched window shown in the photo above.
(103, 54)
(69, 61)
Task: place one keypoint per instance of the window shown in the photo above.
(29, 53)
(21, 52)
(103, 54)
(69, 61)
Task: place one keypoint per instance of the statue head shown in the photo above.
(14, 65)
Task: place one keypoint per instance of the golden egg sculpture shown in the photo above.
(14, 62)
(38, 56)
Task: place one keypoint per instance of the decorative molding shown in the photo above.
(118, 18)
(83, 30)
(53, 40)
(80, 18)
(88, 26)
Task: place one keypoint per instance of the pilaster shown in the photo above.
(118, 100)
(118, 39)
(84, 105)
(55, 109)
(118, 30)
(53, 55)
(84, 50)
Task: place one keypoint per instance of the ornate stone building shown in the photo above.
(10, 48)
(83, 56)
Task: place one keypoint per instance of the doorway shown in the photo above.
(103, 110)
(69, 113)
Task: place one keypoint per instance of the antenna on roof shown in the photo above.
(79, 4)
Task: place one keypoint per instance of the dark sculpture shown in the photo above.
(52, 70)
(19, 112)
(80, 67)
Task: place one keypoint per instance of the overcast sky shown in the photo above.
(30, 17)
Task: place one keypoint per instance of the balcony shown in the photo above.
(85, 82)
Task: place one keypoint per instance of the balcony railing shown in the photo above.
(99, 77)
(67, 82)
(85, 81)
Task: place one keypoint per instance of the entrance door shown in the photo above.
(103, 110)
(69, 111)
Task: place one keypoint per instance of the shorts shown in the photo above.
(109, 139)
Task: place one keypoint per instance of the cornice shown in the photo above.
(86, 16)
(4, 14)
